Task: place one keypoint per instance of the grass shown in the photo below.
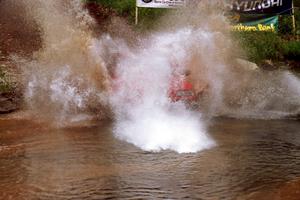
(5, 83)
(291, 50)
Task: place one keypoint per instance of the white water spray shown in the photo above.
(145, 116)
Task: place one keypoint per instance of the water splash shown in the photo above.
(262, 95)
(158, 129)
(66, 77)
(144, 114)
(76, 72)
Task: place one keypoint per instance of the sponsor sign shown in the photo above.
(246, 15)
(269, 24)
(278, 7)
(270, 7)
(160, 3)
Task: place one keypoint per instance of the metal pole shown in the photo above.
(136, 15)
(293, 17)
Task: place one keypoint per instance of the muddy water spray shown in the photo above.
(69, 76)
(66, 76)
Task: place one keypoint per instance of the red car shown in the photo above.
(182, 90)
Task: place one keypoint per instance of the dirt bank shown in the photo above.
(18, 36)
(9, 102)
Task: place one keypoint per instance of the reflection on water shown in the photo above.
(87, 162)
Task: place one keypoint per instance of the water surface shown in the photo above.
(87, 162)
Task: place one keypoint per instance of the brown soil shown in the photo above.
(18, 35)
(9, 102)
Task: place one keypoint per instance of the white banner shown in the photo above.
(160, 3)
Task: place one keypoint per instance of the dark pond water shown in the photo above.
(87, 162)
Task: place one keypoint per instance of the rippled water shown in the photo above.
(87, 162)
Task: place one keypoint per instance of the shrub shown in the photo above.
(291, 50)
(259, 45)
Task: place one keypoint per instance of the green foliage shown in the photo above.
(148, 17)
(286, 21)
(297, 19)
(123, 7)
(291, 50)
(260, 45)
(285, 25)
(5, 85)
